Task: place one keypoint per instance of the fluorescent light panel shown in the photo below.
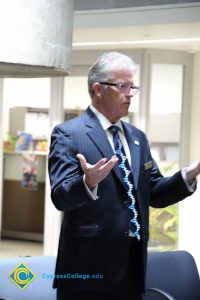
(136, 42)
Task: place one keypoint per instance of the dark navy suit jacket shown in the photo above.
(94, 233)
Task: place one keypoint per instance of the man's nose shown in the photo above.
(130, 92)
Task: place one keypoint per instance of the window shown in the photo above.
(164, 136)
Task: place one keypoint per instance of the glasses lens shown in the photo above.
(123, 88)
(135, 90)
(127, 88)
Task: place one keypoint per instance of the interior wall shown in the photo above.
(169, 133)
(24, 92)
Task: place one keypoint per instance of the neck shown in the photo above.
(112, 119)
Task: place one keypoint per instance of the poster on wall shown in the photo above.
(23, 142)
(29, 175)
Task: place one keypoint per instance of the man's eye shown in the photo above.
(120, 85)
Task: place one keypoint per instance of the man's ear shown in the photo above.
(97, 89)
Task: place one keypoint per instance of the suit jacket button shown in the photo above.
(125, 204)
(126, 233)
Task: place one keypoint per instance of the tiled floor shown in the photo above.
(16, 248)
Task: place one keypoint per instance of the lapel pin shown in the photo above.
(136, 142)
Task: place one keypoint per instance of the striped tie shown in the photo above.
(127, 177)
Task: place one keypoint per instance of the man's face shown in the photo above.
(111, 101)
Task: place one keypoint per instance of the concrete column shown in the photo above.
(189, 237)
(36, 37)
(53, 218)
(1, 150)
(144, 92)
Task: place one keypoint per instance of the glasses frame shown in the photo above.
(120, 85)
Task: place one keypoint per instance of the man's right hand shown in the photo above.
(94, 174)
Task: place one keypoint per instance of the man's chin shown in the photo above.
(124, 114)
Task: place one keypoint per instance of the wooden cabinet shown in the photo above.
(23, 208)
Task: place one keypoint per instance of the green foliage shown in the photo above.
(164, 221)
(168, 168)
(163, 226)
(9, 143)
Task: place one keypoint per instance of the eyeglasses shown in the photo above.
(123, 88)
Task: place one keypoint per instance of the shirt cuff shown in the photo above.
(191, 185)
(91, 193)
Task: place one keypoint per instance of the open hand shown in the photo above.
(193, 170)
(94, 174)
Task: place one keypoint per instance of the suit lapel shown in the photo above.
(97, 134)
(134, 146)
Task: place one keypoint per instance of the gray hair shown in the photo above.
(104, 68)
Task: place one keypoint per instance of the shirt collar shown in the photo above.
(105, 123)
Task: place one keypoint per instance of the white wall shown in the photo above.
(165, 134)
(33, 92)
(76, 93)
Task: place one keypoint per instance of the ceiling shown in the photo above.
(80, 5)
(169, 27)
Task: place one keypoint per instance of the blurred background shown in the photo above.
(163, 37)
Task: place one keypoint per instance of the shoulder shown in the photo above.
(136, 135)
(133, 130)
(70, 125)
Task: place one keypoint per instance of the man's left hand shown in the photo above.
(192, 171)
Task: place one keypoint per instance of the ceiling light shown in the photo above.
(136, 42)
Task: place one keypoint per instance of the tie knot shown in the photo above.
(114, 129)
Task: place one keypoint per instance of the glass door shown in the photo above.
(164, 135)
(167, 115)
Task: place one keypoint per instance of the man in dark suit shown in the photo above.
(104, 179)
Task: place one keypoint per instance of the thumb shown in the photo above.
(82, 160)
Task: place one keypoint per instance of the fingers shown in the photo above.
(197, 168)
(193, 170)
(107, 167)
(97, 172)
(100, 163)
(85, 165)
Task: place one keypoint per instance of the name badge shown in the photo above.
(148, 165)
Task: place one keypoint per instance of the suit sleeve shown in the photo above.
(165, 190)
(66, 177)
